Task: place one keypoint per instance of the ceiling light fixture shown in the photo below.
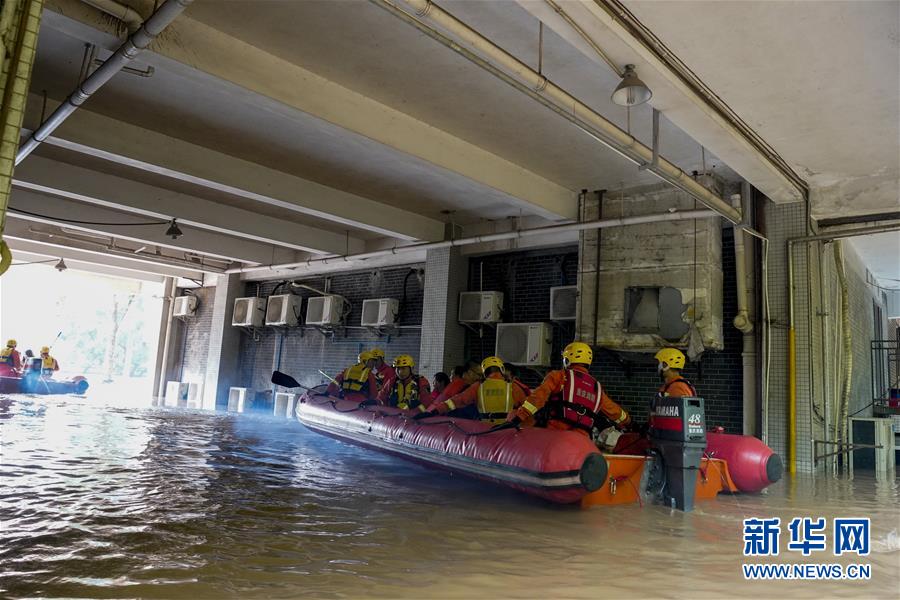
(174, 231)
(631, 91)
(60, 266)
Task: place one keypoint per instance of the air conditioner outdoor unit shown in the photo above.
(325, 310)
(283, 310)
(379, 312)
(194, 395)
(237, 399)
(285, 404)
(480, 307)
(526, 344)
(248, 312)
(176, 393)
(185, 306)
(563, 302)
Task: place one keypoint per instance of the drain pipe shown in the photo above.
(517, 74)
(743, 320)
(133, 46)
(846, 343)
(491, 237)
(126, 14)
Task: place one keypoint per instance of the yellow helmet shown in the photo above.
(45, 349)
(492, 361)
(377, 353)
(365, 356)
(10, 343)
(672, 357)
(404, 360)
(578, 353)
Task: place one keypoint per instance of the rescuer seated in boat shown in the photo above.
(574, 399)
(356, 382)
(406, 390)
(383, 372)
(462, 377)
(10, 360)
(494, 397)
(439, 383)
(510, 376)
(671, 362)
(49, 365)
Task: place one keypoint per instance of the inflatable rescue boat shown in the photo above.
(34, 383)
(560, 466)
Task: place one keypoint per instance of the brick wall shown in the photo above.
(195, 337)
(525, 278)
(304, 351)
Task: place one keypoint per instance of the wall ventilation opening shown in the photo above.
(655, 310)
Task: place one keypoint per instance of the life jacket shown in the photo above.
(356, 378)
(406, 395)
(665, 391)
(6, 356)
(494, 400)
(33, 364)
(48, 365)
(578, 402)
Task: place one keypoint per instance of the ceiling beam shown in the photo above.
(90, 267)
(56, 211)
(242, 72)
(111, 191)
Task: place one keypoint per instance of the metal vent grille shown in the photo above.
(371, 311)
(241, 308)
(563, 302)
(512, 344)
(315, 309)
(275, 309)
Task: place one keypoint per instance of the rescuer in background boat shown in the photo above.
(439, 384)
(574, 399)
(49, 365)
(383, 372)
(462, 377)
(671, 362)
(10, 360)
(494, 397)
(406, 390)
(356, 380)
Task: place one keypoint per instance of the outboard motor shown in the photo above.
(678, 431)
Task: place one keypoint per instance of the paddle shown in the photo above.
(285, 380)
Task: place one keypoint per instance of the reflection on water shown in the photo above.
(107, 501)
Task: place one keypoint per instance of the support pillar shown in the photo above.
(224, 344)
(163, 344)
(443, 338)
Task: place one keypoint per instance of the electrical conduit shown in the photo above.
(846, 342)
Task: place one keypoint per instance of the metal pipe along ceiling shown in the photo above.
(491, 237)
(133, 46)
(514, 72)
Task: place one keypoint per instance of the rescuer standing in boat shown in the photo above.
(671, 362)
(357, 380)
(383, 372)
(495, 397)
(49, 365)
(574, 398)
(407, 390)
(10, 357)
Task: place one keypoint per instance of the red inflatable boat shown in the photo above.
(560, 466)
(33, 383)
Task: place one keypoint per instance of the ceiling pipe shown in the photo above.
(517, 74)
(133, 46)
(126, 14)
(491, 237)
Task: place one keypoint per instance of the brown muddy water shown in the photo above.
(111, 499)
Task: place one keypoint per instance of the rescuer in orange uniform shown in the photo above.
(574, 398)
(671, 362)
(10, 357)
(407, 390)
(383, 372)
(357, 380)
(462, 377)
(495, 397)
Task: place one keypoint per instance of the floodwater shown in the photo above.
(104, 500)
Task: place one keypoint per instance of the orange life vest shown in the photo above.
(578, 402)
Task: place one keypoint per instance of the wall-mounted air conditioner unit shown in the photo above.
(283, 310)
(285, 403)
(194, 395)
(526, 344)
(238, 398)
(325, 310)
(248, 312)
(480, 307)
(176, 393)
(563, 302)
(185, 306)
(379, 312)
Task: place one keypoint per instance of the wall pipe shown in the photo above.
(126, 14)
(792, 336)
(491, 237)
(133, 46)
(846, 343)
(517, 74)
(745, 266)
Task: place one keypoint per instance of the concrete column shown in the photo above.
(224, 344)
(163, 345)
(588, 266)
(443, 338)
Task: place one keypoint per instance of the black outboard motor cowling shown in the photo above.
(678, 431)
